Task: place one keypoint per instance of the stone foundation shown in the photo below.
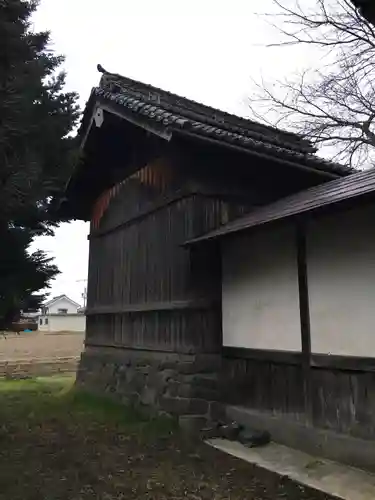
(185, 386)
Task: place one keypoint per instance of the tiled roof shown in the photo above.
(329, 193)
(173, 112)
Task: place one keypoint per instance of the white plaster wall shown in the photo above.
(63, 322)
(260, 290)
(341, 278)
(41, 324)
(62, 304)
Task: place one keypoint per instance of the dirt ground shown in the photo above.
(59, 444)
(37, 345)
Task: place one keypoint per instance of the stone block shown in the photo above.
(184, 406)
(135, 379)
(129, 375)
(212, 431)
(124, 376)
(172, 405)
(197, 406)
(144, 369)
(168, 374)
(178, 389)
(148, 396)
(204, 393)
(202, 363)
(186, 391)
(144, 361)
(205, 381)
(217, 412)
(187, 368)
(170, 364)
(122, 386)
(133, 399)
(152, 374)
(174, 361)
(122, 369)
(192, 424)
(172, 389)
(127, 362)
(162, 379)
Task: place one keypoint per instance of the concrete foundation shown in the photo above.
(319, 442)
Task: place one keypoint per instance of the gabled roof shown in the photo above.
(172, 114)
(60, 297)
(323, 195)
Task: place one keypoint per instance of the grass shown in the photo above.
(57, 443)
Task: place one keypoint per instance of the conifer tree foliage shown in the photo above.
(21, 274)
(37, 151)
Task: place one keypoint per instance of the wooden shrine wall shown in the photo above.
(145, 290)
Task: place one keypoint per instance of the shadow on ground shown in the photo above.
(58, 443)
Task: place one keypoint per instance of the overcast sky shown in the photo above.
(207, 50)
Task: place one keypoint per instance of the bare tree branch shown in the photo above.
(333, 105)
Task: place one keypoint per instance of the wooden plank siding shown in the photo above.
(265, 385)
(145, 290)
(340, 400)
(344, 401)
(169, 331)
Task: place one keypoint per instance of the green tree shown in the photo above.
(37, 150)
(21, 274)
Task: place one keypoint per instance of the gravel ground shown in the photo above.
(57, 444)
(38, 345)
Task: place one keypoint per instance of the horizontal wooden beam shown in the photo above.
(163, 202)
(160, 205)
(135, 118)
(103, 347)
(153, 208)
(153, 306)
(252, 152)
(343, 363)
(317, 361)
(285, 357)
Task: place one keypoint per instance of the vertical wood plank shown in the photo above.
(303, 293)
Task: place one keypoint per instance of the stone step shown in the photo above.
(332, 478)
(297, 434)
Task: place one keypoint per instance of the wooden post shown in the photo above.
(304, 308)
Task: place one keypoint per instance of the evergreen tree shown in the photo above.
(36, 150)
(21, 274)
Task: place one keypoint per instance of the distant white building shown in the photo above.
(62, 314)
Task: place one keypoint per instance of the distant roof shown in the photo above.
(59, 297)
(329, 193)
(174, 113)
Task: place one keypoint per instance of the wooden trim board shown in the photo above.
(317, 361)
